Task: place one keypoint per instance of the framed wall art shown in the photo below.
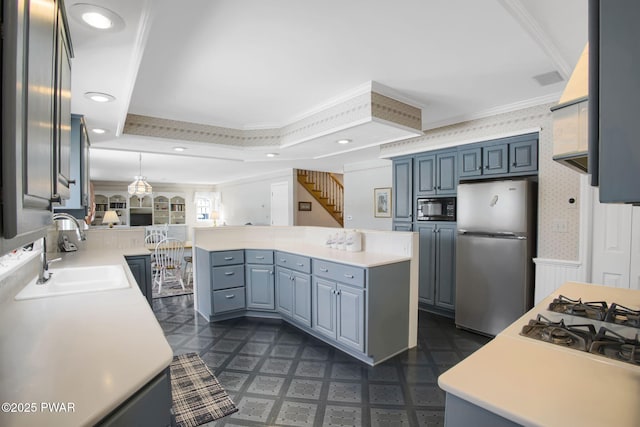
(382, 202)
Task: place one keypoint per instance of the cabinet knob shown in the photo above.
(229, 273)
(283, 260)
(259, 257)
(480, 167)
(228, 258)
(299, 264)
(324, 270)
(229, 296)
(515, 164)
(348, 276)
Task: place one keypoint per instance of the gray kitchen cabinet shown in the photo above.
(140, 266)
(293, 287)
(29, 121)
(260, 287)
(516, 155)
(523, 156)
(62, 110)
(613, 98)
(328, 300)
(260, 280)
(470, 162)
(148, 407)
(402, 226)
(78, 200)
(324, 307)
(437, 266)
(435, 174)
(220, 283)
(284, 291)
(402, 194)
(338, 303)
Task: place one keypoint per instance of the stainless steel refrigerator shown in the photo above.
(494, 253)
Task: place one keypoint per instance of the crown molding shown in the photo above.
(530, 24)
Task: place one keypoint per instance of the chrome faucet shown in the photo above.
(44, 273)
(79, 230)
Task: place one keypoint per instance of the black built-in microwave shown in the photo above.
(436, 209)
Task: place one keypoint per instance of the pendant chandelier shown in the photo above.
(140, 186)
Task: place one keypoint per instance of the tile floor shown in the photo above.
(279, 375)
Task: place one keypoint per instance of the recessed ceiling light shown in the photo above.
(272, 154)
(97, 17)
(180, 149)
(98, 131)
(343, 141)
(99, 97)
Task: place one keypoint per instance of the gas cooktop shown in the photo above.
(593, 327)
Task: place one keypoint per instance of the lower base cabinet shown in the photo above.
(293, 294)
(149, 407)
(338, 312)
(329, 300)
(140, 266)
(260, 287)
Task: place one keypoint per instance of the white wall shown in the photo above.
(249, 200)
(359, 181)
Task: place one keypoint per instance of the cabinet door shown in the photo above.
(140, 267)
(260, 287)
(284, 292)
(402, 193)
(427, 263)
(495, 159)
(447, 177)
(62, 140)
(425, 175)
(445, 284)
(324, 307)
(302, 299)
(524, 156)
(402, 226)
(470, 162)
(350, 316)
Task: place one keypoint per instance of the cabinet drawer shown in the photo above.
(227, 258)
(339, 272)
(293, 262)
(228, 277)
(254, 256)
(228, 300)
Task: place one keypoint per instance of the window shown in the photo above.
(203, 209)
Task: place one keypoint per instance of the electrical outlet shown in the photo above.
(560, 226)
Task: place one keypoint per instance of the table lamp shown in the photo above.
(110, 217)
(215, 216)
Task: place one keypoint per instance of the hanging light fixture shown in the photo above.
(140, 186)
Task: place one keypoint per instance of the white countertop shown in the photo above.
(93, 350)
(360, 259)
(540, 384)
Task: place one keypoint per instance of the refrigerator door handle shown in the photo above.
(496, 234)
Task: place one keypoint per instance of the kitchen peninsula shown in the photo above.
(363, 303)
(94, 354)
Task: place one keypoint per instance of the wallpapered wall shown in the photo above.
(557, 183)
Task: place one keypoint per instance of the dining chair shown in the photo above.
(155, 233)
(168, 256)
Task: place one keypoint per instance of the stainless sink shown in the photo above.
(76, 280)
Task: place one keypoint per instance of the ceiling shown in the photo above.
(263, 68)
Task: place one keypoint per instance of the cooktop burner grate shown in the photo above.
(578, 337)
(595, 310)
(614, 346)
(622, 315)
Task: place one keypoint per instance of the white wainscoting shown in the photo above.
(552, 273)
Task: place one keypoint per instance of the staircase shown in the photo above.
(327, 191)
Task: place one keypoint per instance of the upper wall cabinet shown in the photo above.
(614, 67)
(35, 114)
(402, 193)
(436, 174)
(79, 170)
(504, 157)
